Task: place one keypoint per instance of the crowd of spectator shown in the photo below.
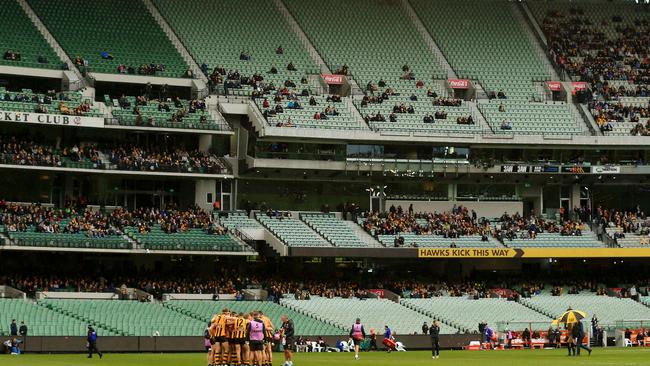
(453, 224)
(162, 158)
(50, 102)
(621, 222)
(99, 224)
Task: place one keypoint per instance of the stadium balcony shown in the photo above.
(23, 39)
(342, 117)
(124, 33)
(337, 231)
(239, 220)
(178, 114)
(244, 40)
(309, 325)
(27, 101)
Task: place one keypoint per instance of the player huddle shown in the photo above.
(241, 339)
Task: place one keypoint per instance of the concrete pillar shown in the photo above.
(452, 191)
(205, 143)
(203, 189)
(575, 196)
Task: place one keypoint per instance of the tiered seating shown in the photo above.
(609, 310)
(217, 31)
(239, 220)
(304, 117)
(123, 28)
(36, 239)
(380, 41)
(128, 318)
(193, 239)
(415, 122)
(530, 118)
(21, 36)
(293, 232)
(555, 240)
(437, 241)
(631, 240)
(466, 314)
(611, 114)
(484, 41)
(29, 103)
(161, 118)
(374, 313)
(305, 325)
(333, 229)
(41, 321)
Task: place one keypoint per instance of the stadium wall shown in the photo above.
(195, 344)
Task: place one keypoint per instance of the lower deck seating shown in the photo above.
(239, 220)
(609, 310)
(305, 325)
(80, 240)
(292, 231)
(437, 241)
(41, 321)
(554, 240)
(374, 313)
(466, 313)
(334, 230)
(128, 318)
(193, 239)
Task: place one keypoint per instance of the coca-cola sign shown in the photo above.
(333, 79)
(554, 85)
(458, 83)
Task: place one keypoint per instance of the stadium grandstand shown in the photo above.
(172, 168)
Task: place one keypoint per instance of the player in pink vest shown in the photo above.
(256, 336)
(357, 333)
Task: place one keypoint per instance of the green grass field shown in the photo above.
(600, 357)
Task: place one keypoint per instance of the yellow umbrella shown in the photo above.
(571, 316)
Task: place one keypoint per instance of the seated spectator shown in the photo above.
(505, 125)
(502, 108)
(106, 56)
(431, 93)
(312, 101)
(419, 84)
(279, 50)
(289, 83)
(501, 94)
(441, 114)
(121, 68)
(42, 60)
(40, 108)
(428, 118)
(291, 67)
(63, 109)
(410, 109)
(413, 98)
(392, 117)
(381, 83)
(273, 70)
(343, 70)
(244, 56)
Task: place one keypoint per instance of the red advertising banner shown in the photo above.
(579, 85)
(378, 292)
(554, 85)
(333, 79)
(458, 83)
